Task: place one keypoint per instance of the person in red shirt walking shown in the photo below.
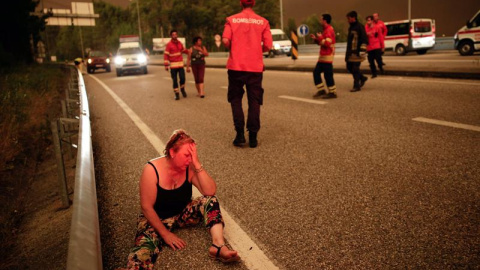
(173, 58)
(383, 29)
(375, 45)
(244, 34)
(326, 40)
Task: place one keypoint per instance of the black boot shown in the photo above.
(252, 139)
(239, 139)
(184, 94)
(363, 80)
(177, 96)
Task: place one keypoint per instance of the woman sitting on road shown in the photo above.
(166, 201)
(196, 59)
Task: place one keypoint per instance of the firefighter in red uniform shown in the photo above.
(326, 40)
(173, 58)
(375, 45)
(244, 34)
(383, 29)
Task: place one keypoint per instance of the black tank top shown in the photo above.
(170, 203)
(197, 57)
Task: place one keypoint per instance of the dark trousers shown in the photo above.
(375, 55)
(327, 69)
(176, 72)
(253, 82)
(354, 68)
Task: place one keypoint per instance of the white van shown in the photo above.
(130, 56)
(281, 44)
(414, 35)
(467, 38)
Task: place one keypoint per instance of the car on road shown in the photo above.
(467, 38)
(410, 35)
(130, 59)
(281, 44)
(98, 60)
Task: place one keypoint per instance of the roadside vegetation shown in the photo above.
(158, 17)
(30, 98)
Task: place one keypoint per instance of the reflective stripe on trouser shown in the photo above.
(177, 72)
(327, 70)
(148, 244)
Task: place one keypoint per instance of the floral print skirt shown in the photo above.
(147, 242)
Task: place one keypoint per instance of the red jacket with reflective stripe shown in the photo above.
(327, 45)
(173, 54)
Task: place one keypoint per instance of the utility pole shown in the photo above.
(139, 27)
(409, 10)
(281, 15)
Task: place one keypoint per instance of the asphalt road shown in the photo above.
(352, 183)
(442, 63)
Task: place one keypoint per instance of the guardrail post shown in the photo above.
(62, 180)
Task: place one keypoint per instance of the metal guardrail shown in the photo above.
(84, 248)
(441, 43)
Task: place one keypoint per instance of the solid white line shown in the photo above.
(446, 123)
(134, 77)
(304, 100)
(151, 137)
(444, 81)
(252, 255)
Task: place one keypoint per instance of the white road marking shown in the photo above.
(446, 123)
(444, 81)
(128, 77)
(304, 100)
(252, 255)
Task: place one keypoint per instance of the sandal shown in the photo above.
(222, 259)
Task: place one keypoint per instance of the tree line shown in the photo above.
(190, 18)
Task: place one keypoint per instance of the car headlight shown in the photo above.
(119, 60)
(108, 61)
(455, 36)
(141, 58)
(89, 60)
(276, 46)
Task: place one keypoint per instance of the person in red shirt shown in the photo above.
(326, 40)
(375, 45)
(173, 58)
(380, 24)
(244, 34)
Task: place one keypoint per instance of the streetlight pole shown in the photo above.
(281, 15)
(139, 27)
(409, 10)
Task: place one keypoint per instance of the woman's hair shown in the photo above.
(195, 39)
(369, 17)
(178, 138)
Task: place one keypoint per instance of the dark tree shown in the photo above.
(20, 29)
